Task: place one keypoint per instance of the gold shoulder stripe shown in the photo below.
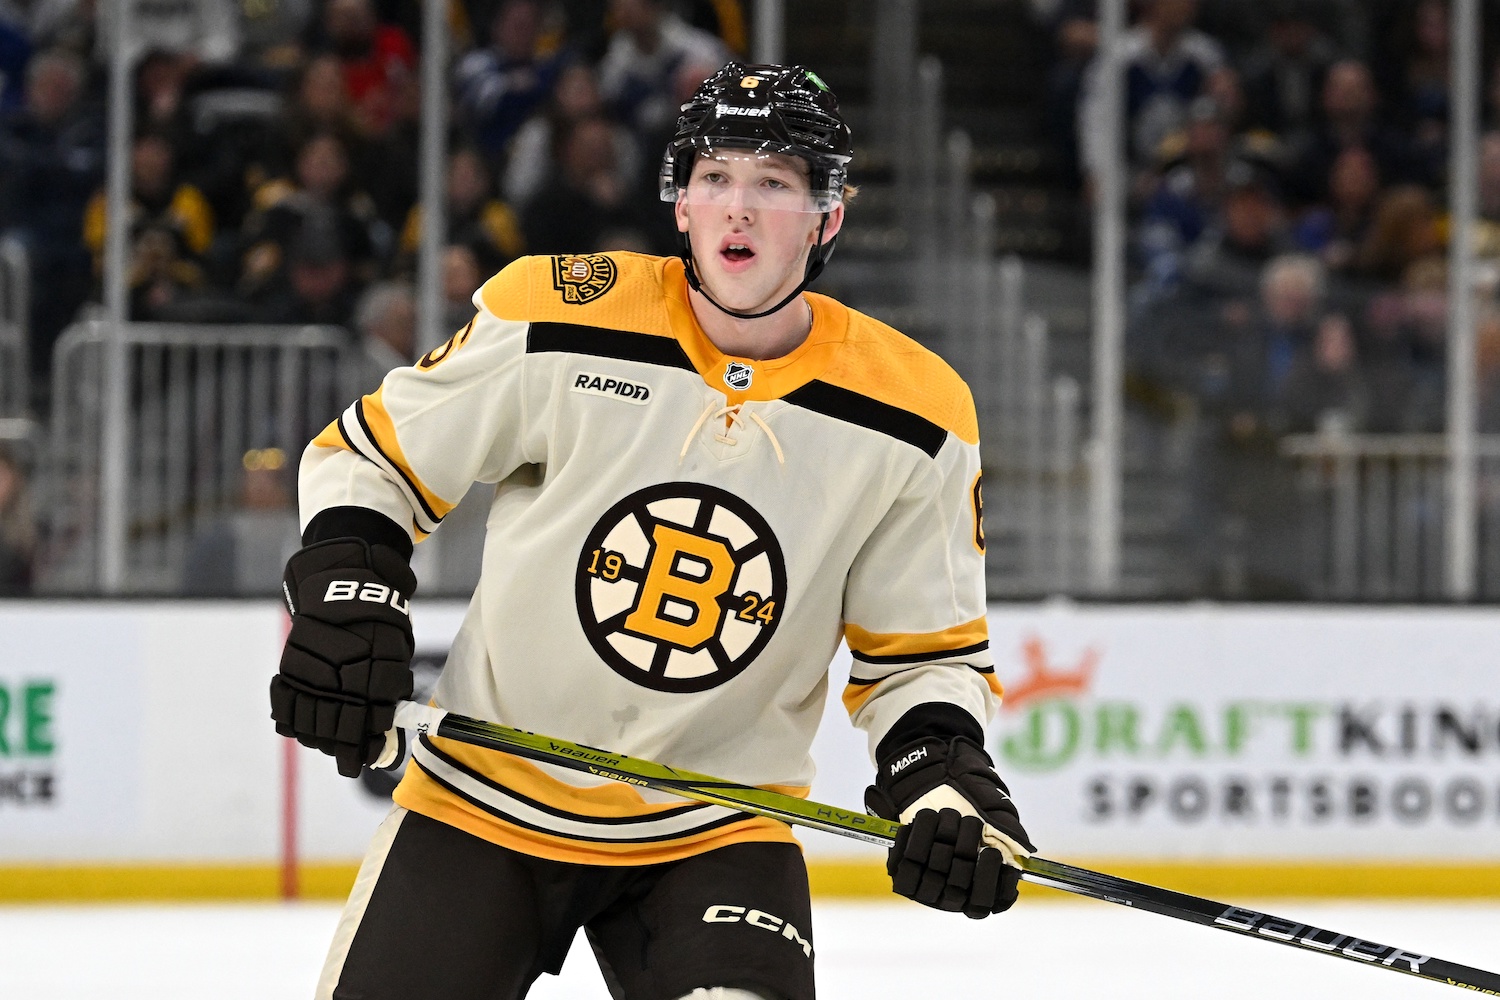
(898, 647)
(886, 365)
(857, 692)
(421, 794)
(381, 429)
(855, 696)
(614, 291)
(996, 688)
(508, 293)
(429, 794)
(332, 436)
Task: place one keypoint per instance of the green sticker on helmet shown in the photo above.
(818, 81)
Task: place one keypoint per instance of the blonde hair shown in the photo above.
(1300, 270)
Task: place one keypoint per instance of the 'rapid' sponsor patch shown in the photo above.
(616, 388)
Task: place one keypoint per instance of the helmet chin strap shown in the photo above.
(815, 263)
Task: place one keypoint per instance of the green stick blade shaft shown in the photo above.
(634, 771)
(859, 826)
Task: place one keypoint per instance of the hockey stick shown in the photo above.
(424, 719)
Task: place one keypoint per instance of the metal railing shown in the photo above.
(893, 67)
(198, 399)
(15, 310)
(1030, 419)
(969, 305)
(1374, 514)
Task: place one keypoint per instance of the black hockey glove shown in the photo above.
(348, 655)
(960, 832)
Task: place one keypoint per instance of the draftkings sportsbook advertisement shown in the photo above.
(1252, 733)
(1221, 736)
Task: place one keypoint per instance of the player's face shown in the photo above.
(752, 224)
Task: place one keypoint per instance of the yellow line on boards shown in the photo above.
(166, 882)
(1325, 879)
(829, 878)
(1225, 880)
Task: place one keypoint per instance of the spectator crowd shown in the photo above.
(1287, 182)
(274, 151)
(1288, 164)
(274, 177)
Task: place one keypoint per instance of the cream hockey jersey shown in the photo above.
(677, 542)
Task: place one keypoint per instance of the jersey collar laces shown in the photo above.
(734, 415)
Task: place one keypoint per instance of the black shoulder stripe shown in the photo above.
(571, 338)
(345, 434)
(359, 411)
(939, 654)
(867, 681)
(855, 408)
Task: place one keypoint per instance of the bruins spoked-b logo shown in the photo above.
(583, 277)
(679, 586)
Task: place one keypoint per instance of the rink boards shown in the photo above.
(1216, 749)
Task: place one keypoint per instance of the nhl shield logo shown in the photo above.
(738, 376)
(583, 277)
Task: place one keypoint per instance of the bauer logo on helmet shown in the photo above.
(730, 109)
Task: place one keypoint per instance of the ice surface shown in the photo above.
(1040, 951)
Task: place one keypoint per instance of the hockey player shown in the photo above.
(704, 478)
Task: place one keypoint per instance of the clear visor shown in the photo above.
(770, 182)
